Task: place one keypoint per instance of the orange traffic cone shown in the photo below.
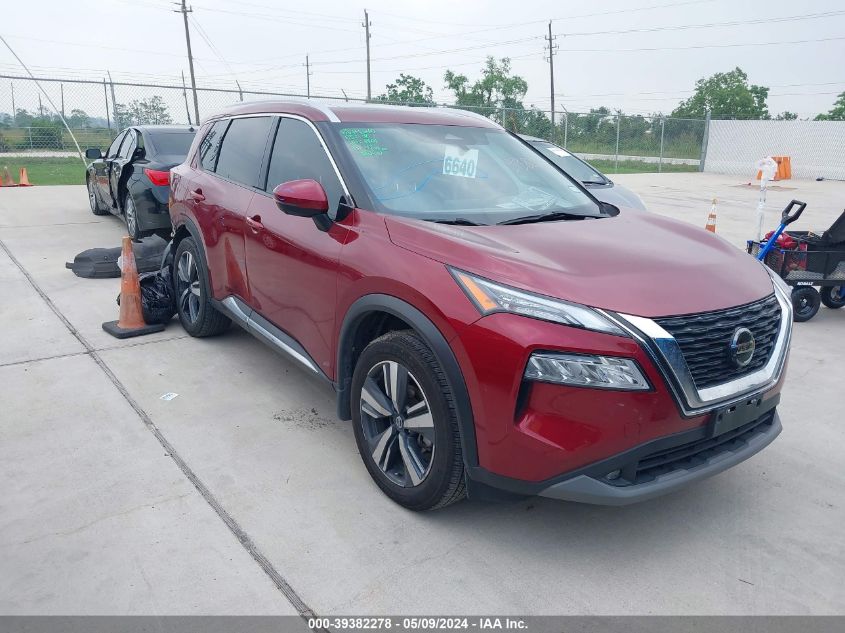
(711, 219)
(131, 321)
(23, 180)
(7, 178)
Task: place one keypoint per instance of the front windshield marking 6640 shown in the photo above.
(443, 172)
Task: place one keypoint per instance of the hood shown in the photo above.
(641, 264)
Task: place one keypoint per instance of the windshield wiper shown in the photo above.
(458, 221)
(593, 182)
(548, 217)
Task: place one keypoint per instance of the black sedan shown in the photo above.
(133, 178)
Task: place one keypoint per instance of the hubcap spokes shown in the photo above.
(130, 217)
(397, 423)
(188, 286)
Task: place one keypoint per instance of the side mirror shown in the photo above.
(303, 198)
(93, 153)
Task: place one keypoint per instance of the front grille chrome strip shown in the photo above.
(667, 355)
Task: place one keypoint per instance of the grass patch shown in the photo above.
(638, 167)
(46, 171)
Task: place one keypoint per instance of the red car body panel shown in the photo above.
(306, 280)
(632, 263)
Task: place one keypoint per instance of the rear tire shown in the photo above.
(96, 207)
(130, 216)
(805, 303)
(833, 296)
(409, 441)
(197, 313)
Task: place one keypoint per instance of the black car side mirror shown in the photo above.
(93, 153)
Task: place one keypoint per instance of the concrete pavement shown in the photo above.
(97, 517)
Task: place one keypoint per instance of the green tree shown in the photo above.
(409, 90)
(838, 111)
(78, 118)
(726, 96)
(497, 87)
(152, 111)
(786, 115)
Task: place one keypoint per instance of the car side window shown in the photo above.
(243, 149)
(115, 145)
(129, 145)
(210, 146)
(298, 154)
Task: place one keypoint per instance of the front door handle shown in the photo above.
(254, 223)
(196, 194)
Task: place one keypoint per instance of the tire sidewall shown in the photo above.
(812, 295)
(437, 481)
(127, 201)
(829, 301)
(189, 244)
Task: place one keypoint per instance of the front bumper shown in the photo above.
(585, 488)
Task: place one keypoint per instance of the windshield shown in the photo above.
(176, 143)
(573, 166)
(448, 173)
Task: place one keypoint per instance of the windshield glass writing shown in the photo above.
(447, 172)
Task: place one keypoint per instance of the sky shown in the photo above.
(640, 56)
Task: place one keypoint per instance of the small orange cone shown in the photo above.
(7, 178)
(131, 321)
(711, 219)
(23, 180)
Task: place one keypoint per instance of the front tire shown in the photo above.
(833, 296)
(406, 424)
(96, 207)
(198, 315)
(805, 303)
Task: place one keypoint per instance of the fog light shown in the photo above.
(613, 475)
(604, 372)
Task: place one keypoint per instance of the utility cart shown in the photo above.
(806, 261)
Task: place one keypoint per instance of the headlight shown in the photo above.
(491, 297)
(586, 371)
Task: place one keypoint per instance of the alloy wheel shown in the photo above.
(397, 423)
(92, 197)
(188, 286)
(131, 217)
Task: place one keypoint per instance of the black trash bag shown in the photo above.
(158, 299)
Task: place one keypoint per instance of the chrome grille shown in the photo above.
(705, 339)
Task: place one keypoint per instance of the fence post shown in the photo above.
(616, 159)
(662, 132)
(14, 111)
(704, 141)
(565, 129)
(62, 92)
(106, 97)
(240, 92)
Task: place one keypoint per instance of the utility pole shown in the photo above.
(185, 97)
(552, 48)
(113, 103)
(367, 24)
(307, 76)
(184, 10)
(106, 97)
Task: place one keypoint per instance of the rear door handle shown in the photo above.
(255, 223)
(196, 194)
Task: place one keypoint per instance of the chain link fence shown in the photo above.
(96, 111)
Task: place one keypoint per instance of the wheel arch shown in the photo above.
(357, 331)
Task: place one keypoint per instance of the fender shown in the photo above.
(435, 341)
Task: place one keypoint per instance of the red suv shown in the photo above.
(487, 324)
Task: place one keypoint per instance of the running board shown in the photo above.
(268, 333)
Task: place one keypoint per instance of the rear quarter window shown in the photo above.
(171, 143)
(210, 146)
